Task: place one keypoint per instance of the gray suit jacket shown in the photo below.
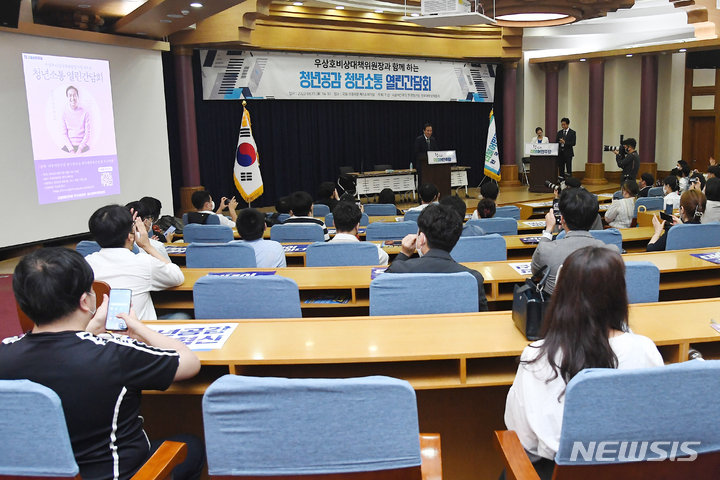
(553, 253)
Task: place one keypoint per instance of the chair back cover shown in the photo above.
(281, 426)
(34, 439)
(486, 248)
(390, 230)
(86, 247)
(412, 216)
(610, 236)
(643, 282)
(650, 203)
(297, 232)
(260, 296)
(501, 226)
(508, 211)
(195, 233)
(341, 254)
(684, 236)
(220, 255)
(320, 210)
(656, 192)
(210, 220)
(380, 209)
(423, 293)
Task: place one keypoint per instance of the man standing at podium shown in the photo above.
(566, 138)
(423, 144)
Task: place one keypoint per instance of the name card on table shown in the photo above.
(241, 274)
(438, 157)
(709, 257)
(198, 337)
(541, 149)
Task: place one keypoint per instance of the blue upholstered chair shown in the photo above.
(617, 195)
(297, 232)
(412, 216)
(508, 211)
(684, 236)
(610, 236)
(650, 203)
(211, 220)
(320, 210)
(86, 247)
(662, 404)
(380, 209)
(643, 282)
(283, 216)
(421, 293)
(656, 192)
(220, 255)
(501, 226)
(488, 248)
(390, 230)
(261, 296)
(194, 233)
(341, 254)
(265, 426)
(34, 439)
(364, 220)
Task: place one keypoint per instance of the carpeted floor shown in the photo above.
(9, 324)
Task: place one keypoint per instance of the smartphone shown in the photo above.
(170, 230)
(556, 210)
(119, 303)
(666, 217)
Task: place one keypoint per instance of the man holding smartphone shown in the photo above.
(99, 377)
(205, 206)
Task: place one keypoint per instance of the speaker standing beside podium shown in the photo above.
(543, 165)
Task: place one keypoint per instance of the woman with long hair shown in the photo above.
(692, 208)
(585, 326)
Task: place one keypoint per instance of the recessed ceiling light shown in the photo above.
(583, 59)
(339, 7)
(683, 49)
(196, 5)
(629, 55)
(175, 15)
(379, 11)
(165, 20)
(531, 17)
(414, 14)
(84, 6)
(141, 33)
(298, 4)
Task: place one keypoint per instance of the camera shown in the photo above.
(612, 148)
(556, 186)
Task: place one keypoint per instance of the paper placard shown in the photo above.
(198, 336)
(541, 149)
(523, 269)
(240, 274)
(377, 271)
(439, 157)
(294, 248)
(708, 257)
(539, 223)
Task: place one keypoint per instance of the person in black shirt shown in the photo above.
(629, 160)
(328, 195)
(99, 377)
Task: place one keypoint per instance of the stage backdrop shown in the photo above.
(236, 74)
(303, 143)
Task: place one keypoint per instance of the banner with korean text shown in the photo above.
(236, 75)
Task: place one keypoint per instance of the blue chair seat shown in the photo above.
(486, 248)
(390, 230)
(220, 255)
(380, 209)
(643, 282)
(412, 216)
(423, 293)
(650, 203)
(320, 210)
(341, 254)
(297, 232)
(508, 211)
(685, 236)
(501, 226)
(195, 233)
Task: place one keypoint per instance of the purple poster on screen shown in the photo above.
(72, 127)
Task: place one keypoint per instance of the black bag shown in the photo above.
(529, 303)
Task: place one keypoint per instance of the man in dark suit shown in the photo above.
(423, 144)
(646, 183)
(439, 228)
(566, 138)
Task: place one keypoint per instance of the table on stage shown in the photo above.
(461, 366)
(459, 178)
(371, 183)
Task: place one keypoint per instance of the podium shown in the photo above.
(436, 170)
(543, 165)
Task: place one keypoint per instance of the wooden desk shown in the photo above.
(461, 366)
(541, 207)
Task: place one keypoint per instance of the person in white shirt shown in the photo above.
(621, 212)
(539, 137)
(116, 231)
(203, 202)
(671, 189)
(488, 191)
(428, 194)
(251, 226)
(347, 217)
(586, 326)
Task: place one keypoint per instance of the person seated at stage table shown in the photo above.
(671, 190)
(692, 208)
(203, 202)
(428, 194)
(578, 211)
(115, 231)
(439, 228)
(646, 183)
(539, 137)
(98, 376)
(347, 221)
(458, 205)
(488, 190)
(621, 212)
(141, 211)
(387, 196)
(250, 227)
(328, 195)
(585, 326)
(301, 205)
(712, 193)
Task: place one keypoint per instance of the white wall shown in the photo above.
(671, 88)
(140, 126)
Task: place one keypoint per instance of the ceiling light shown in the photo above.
(298, 4)
(531, 17)
(379, 11)
(174, 15)
(196, 5)
(141, 33)
(84, 6)
(165, 20)
(414, 14)
(185, 12)
(683, 49)
(583, 59)
(629, 55)
(339, 7)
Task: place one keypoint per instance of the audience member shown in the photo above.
(682, 172)
(350, 198)
(578, 211)
(428, 194)
(439, 229)
(697, 181)
(488, 191)
(646, 183)
(141, 211)
(115, 231)
(251, 226)
(302, 212)
(586, 326)
(328, 195)
(486, 208)
(692, 207)
(712, 193)
(670, 189)
(347, 221)
(281, 206)
(155, 207)
(99, 377)
(629, 160)
(458, 205)
(205, 206)
(387, 196)
(620, 214)
(713, 171)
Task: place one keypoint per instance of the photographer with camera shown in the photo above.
(628, 159)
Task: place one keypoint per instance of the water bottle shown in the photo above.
(411, 166)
